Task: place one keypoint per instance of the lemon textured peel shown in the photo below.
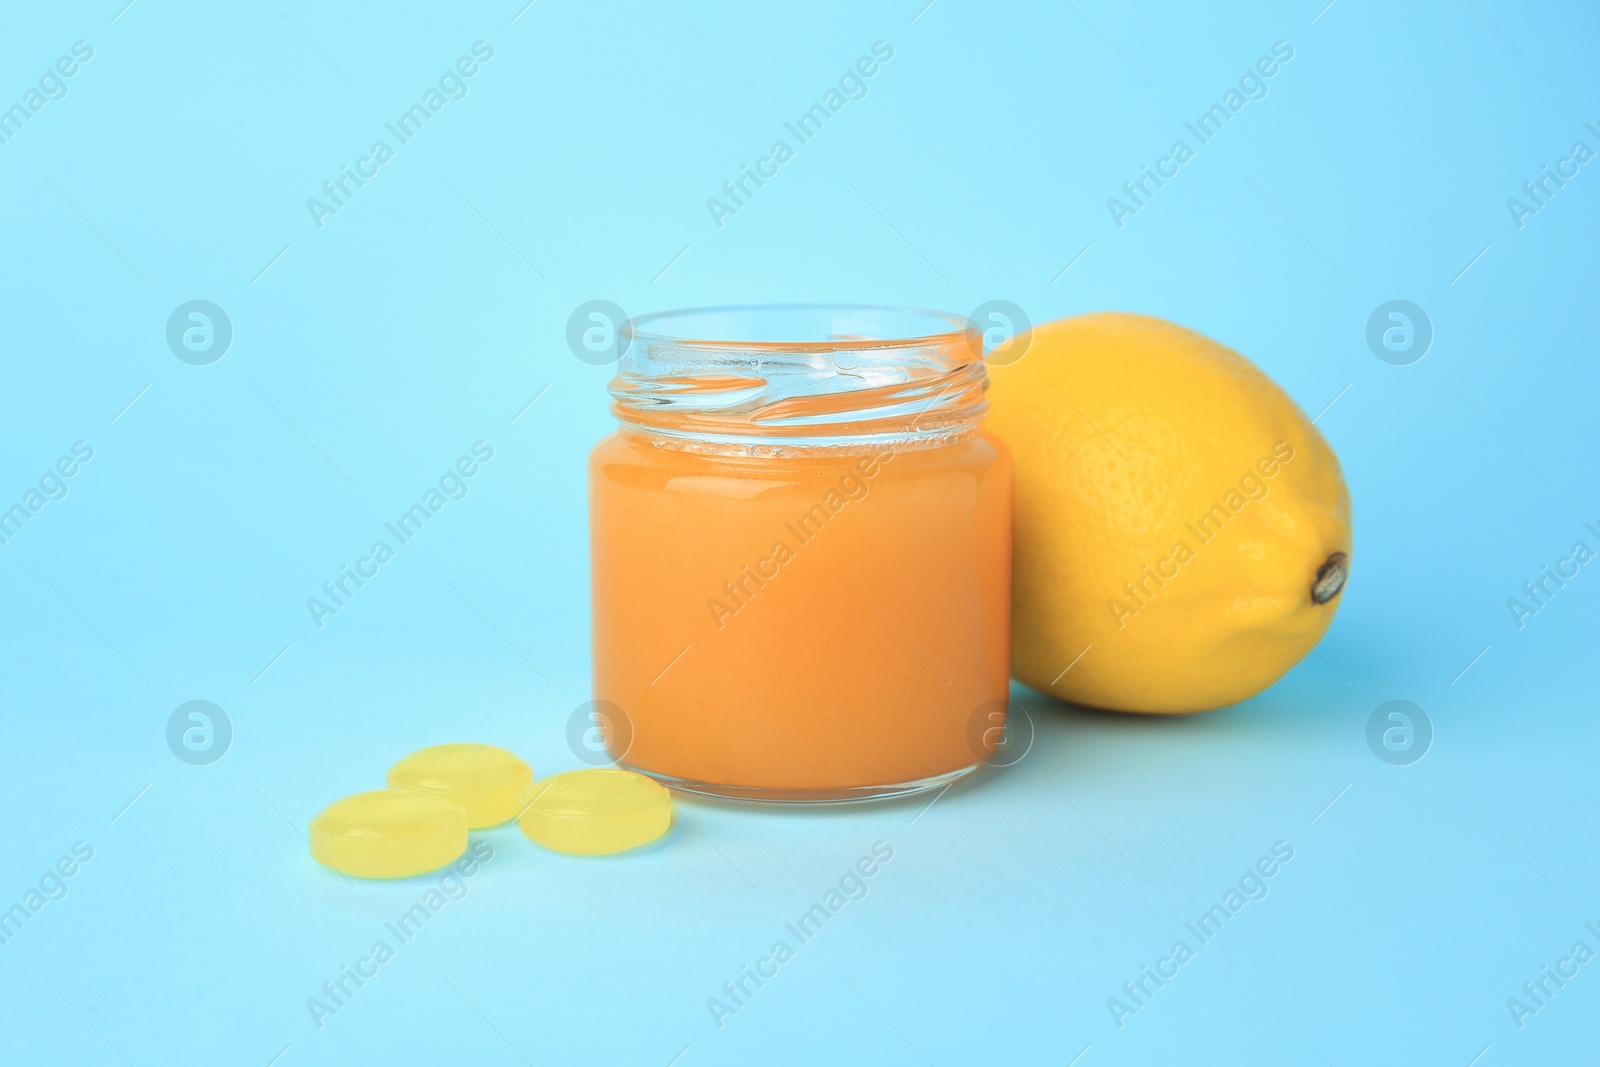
(1182, 530)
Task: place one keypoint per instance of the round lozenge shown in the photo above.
(389, 833)
(489, 782)
(596, 812)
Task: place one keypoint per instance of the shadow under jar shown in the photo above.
(800, 554)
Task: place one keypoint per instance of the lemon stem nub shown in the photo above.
(1330, 578)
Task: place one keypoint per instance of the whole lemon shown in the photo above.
(1182, 529)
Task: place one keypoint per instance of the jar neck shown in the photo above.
(865, 378)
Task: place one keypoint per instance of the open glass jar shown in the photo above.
(800, 554)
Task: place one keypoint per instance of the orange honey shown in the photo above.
(801, 583)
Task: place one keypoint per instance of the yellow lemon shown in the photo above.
(1182, 529)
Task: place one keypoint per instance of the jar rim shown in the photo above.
(800, 376)
(955, 328)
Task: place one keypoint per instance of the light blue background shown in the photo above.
(427, 313)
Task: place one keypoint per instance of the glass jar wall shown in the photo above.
(800, 554)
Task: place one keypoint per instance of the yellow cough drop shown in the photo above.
(388, 833)
(490, 783)
(596, 812)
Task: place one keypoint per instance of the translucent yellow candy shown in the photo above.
(490, 783)
(596, 812)
(388, 833)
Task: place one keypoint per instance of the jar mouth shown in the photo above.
(799, 327)
(800, 376)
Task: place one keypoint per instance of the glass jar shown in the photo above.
(800, 554)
